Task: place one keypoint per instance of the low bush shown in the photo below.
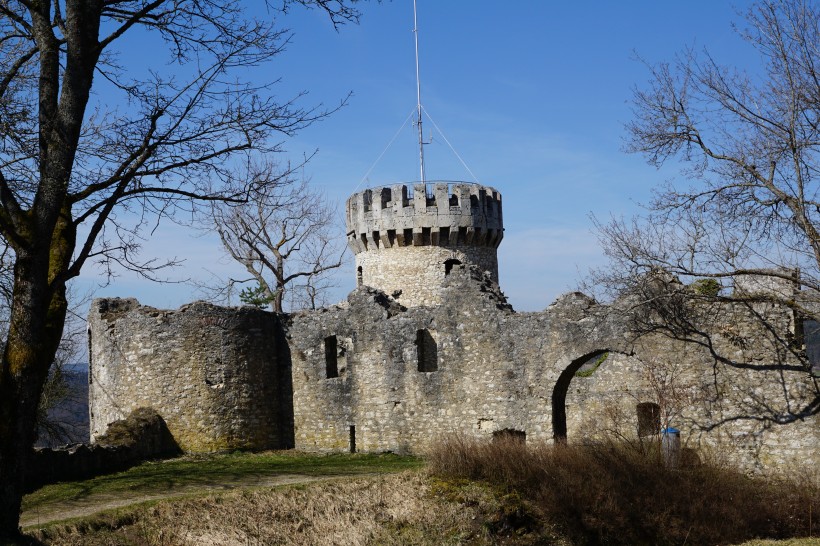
(608, 493)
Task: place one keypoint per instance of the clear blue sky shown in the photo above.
(532, 94)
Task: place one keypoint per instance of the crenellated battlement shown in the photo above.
(408, 237)
(432, 214)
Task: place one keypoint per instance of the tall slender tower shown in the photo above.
(407, 238)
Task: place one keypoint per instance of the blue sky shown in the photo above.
(532, 94)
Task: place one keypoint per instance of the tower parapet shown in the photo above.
(407, 238)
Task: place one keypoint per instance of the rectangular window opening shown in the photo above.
(649, 418)
(353, 438)
(427, 351)
(331, 357)
(444, 235)
(462, 235)
(425, 236)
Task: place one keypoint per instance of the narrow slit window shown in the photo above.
(331, 357)
(427, 351)
(353, 438)
(359, 276)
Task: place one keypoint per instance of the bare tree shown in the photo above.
(81, 174)
(284, 238)
(749, 144)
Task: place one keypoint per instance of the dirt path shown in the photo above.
(95, 503)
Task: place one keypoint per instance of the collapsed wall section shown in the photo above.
(405, 378)
(219, 377)
(411, 377)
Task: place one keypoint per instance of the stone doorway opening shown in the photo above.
(559, 392)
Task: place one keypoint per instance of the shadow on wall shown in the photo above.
(143, 435)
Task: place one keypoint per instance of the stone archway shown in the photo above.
(559, 394)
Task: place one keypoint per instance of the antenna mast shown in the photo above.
(418, 94)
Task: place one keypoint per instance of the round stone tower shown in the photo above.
(407, 238)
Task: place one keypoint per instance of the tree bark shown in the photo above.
(34, 334)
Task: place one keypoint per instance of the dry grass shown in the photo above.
(609, 494)
(401, 509)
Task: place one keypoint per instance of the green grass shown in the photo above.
(217, 469)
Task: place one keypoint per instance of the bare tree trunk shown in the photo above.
(36, 323)
(280, 284)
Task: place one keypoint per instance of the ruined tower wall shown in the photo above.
(415, 274)
(220, 377)
(406, 238)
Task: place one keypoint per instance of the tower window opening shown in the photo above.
(331, 357)
(425, 236)
(387, 197)
(444, 235)
(473, 202)
(359, 276)
(353, 438)
(391, 237)
(649, 418)
(408, 236)
(462, 235)
(368, 200)
(448, 265)
(376, 239)
(427, 351)
(454, 200)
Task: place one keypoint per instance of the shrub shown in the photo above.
(607, 493)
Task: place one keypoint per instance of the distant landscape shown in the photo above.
(70, 415)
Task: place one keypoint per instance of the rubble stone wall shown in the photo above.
(219, 377)
(373, 375)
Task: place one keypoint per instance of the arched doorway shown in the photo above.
(559, 392)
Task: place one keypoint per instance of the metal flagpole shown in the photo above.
(418, 94)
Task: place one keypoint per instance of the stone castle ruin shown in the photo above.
(427, 346)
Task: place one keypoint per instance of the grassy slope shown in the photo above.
(217, 469)
(392, 507)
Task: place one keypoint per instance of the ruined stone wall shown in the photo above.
(220, 377)
(373, 375)
(500, 370)
(496, 369)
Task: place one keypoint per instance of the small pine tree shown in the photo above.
(257, 296)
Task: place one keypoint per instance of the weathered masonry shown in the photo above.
(408, 238)
(385, 373)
